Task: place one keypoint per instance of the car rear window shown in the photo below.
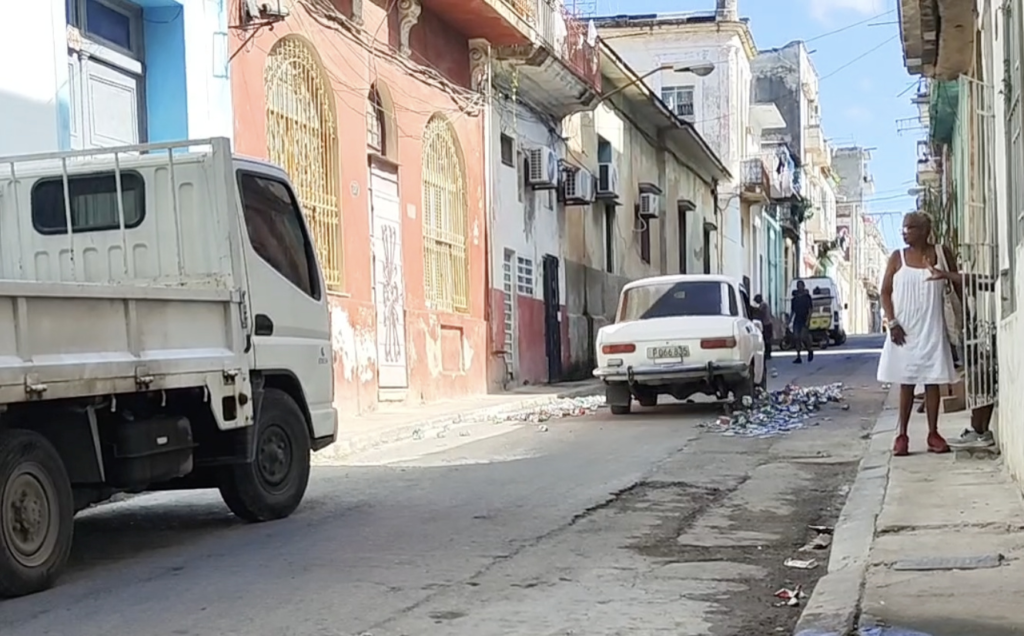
(668, 300)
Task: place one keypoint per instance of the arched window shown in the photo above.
(445, 219)
(303, 139)
(376, 129)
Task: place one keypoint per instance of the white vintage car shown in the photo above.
(680, 335)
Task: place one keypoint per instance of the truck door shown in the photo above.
(288, 313)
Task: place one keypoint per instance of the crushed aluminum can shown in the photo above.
(801, 564)
(778, 412)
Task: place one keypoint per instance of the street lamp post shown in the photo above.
(702, 69)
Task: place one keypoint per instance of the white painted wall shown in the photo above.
(721, 105)
(35, 52)
(34, 92)
(531, 235)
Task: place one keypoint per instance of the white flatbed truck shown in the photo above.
(163, 325)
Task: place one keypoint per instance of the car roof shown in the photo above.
(672, 279)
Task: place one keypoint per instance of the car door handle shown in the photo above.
(264, 325)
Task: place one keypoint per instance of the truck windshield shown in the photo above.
(667, 300)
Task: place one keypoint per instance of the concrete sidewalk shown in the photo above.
(395, 424)
(926, 545)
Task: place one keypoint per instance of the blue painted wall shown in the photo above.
(166, 72)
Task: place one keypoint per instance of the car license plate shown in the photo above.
(668, 353)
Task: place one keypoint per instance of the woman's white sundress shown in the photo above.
(925, 357)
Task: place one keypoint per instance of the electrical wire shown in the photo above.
(857, 59)
(849, 26)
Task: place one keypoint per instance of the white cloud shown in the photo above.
(826, 10)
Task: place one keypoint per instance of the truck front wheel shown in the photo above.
(272, 486)
(36, 513)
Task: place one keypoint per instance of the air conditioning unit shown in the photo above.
(579, 187)
(648, 205)
(607, 180)
(543, 169)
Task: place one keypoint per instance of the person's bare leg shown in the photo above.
(906, 407)
(981, 418)
(931, 407)
(936, 443)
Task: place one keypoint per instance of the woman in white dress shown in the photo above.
(917, 350)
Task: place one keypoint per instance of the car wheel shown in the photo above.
(648, 399)
(36, 513)
(620, 409)
(272, 486)
(763, 384)
(746, 388)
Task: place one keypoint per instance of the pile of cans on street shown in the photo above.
(777, 412)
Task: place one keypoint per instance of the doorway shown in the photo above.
(552, 319)
(388, 283)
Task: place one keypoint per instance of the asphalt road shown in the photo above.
(594, 526)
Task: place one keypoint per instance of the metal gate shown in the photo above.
(977, 232)
(388, 283)
(511, 342)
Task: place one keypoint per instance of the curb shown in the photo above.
(420, 428)
(834, 605)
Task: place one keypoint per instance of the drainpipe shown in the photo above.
(488, 124)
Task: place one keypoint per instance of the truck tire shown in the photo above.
(37, 513)
(272, 486)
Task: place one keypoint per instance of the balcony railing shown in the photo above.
(577, 52)
(755, 177)
(525, 9)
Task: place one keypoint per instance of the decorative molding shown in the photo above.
(479, 64)
(409, 14)
(357, 12)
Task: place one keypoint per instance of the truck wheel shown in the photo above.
(272, 486)
(36, 513)
(620, 409)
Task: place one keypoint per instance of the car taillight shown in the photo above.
(718, 343)
(611, 349)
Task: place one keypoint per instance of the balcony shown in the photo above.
(553, 67)
(786, 185)
(938, 36)
(500, 22)
(756, 185)
(929, 168)
(817, 149)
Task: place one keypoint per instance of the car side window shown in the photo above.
(734, 308)
(273, 221)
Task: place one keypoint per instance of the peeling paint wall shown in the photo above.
(443, 350)
(721, 102)
(528, 224)
(592, 291)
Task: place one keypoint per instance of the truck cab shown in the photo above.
(166, 327)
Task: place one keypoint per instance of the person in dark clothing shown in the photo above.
(800, 312)
(764, 314)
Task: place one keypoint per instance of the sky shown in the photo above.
(864, 87)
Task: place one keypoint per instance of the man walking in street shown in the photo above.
(800, 315)
(764, 314)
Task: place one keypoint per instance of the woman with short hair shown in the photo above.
(917, 349)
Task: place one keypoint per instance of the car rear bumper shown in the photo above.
(671, 373)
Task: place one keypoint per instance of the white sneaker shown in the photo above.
(972, 439)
